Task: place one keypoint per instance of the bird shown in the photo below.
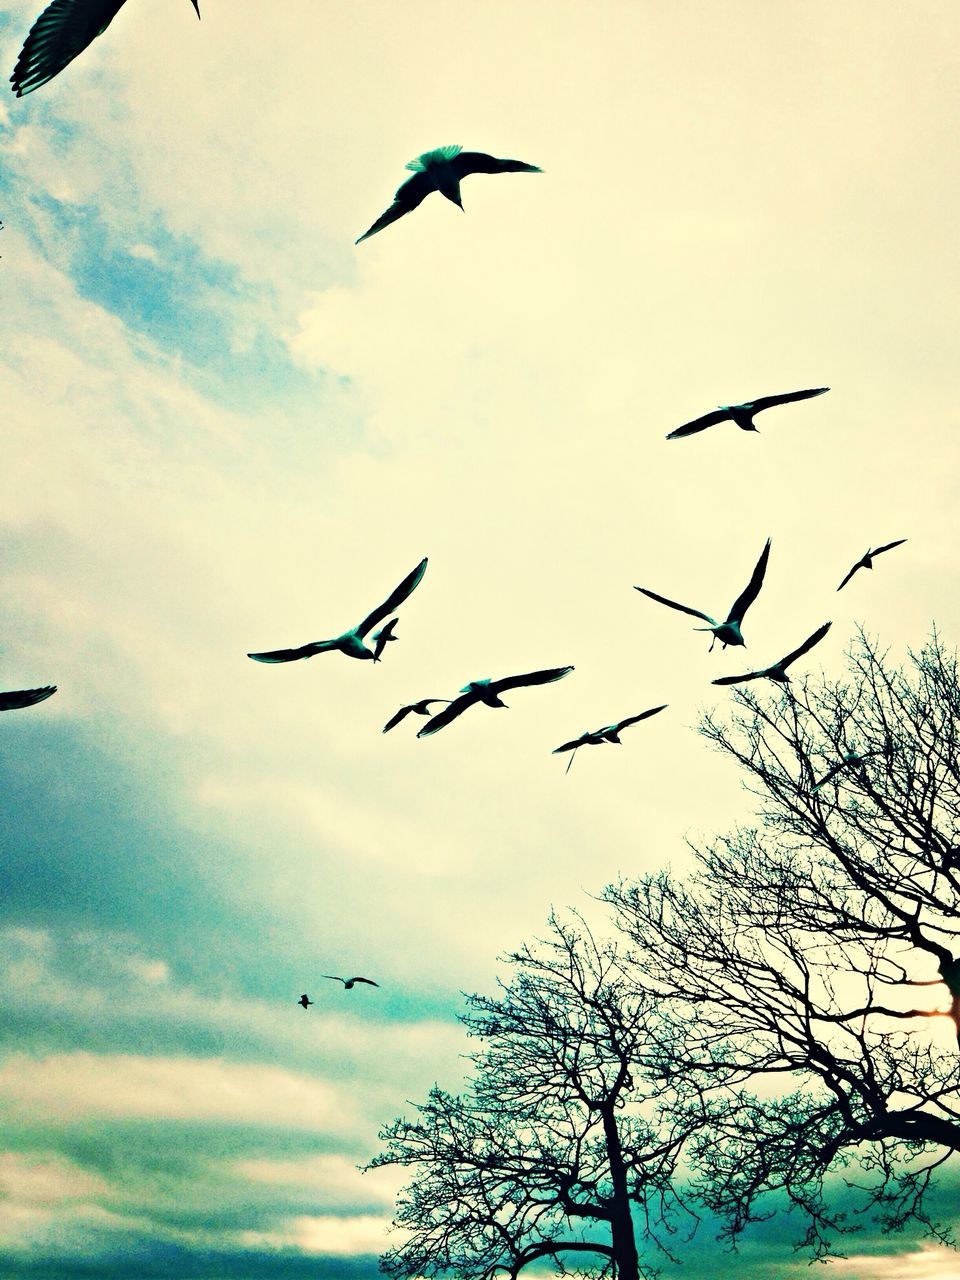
(348, 982)
(851, 757)
(382, 638)
(421, 708)
(305, 1000)
(442, 170)
(727, 632)
(866, 560)
(488, 691)
(351, 642)
(742, 414)
(16, 698)
(610, 733)
(60, 34)
(778, 671)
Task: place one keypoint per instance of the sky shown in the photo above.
(228, 429)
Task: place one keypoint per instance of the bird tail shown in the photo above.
(438, 154)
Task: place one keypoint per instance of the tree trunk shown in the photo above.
(621, 1221)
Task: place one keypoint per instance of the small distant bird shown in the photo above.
(351, 642)
(305, 1000)
(382, 638)
(610, 733)
(25, 697)
(866, 560)
(742, 414)
(488, 692)
(348, 982)
(442, 170)
(851, 758)
(421, 708)
(727, 632)
(63, 30)
(778, 671)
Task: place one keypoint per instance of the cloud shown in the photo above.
(325, 1235)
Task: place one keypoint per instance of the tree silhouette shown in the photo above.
(554, 1139)
(808, 971)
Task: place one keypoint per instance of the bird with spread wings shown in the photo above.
(488, 692)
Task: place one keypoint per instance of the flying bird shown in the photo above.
(610, 733)
(63, 30)
(488, 692)
(421, 708)
(17, 698)
(348, 982)
(727, 632)
(351, 642)
(305, 1000)
(442, 169)
(382, 638)
(778, 671)
(851, 757)
(742, 414)
(866, 560)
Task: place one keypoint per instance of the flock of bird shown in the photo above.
(64, 30)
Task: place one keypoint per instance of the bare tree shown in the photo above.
(553, 1143)
(806, 970)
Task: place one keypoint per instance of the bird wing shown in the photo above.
(479, 162)
(63, 30)
(571, 746)
(293, 655)
(831, 774)
(752, 589)
(408, 195)
(767, 402)
(694, 613)
(858, 565)
(25, 697)
(750, 675)
(443, 718)
(333, 977)
(532, 677)
(642, 716)
(369, 981)
(888, 546)
(395, 720)
(806, 646)
(394, 600)
(700, 424)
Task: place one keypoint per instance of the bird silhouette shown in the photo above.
(850, 758)
(727, 632)
(742, 414)
(382, 638)
(442, 169)
(421, 708)
(610, 733)
(778, 671)
(305, 1000)
(17, 698)
(866, 560)
(351, 642)
(488, 692)
(349, 982)
(63, 30)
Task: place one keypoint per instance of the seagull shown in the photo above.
(422, 708)
(382, 637)
(742, 414)
(488, 692)
(442, 170)
(17, 698)
(305, 1000)
(778, 671)
(610, 733)
(63, 30)
(351, 642)
(727, 632)
(866, 560)
(348, 982)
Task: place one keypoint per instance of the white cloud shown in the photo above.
(325, 1235)
(39, 1179)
